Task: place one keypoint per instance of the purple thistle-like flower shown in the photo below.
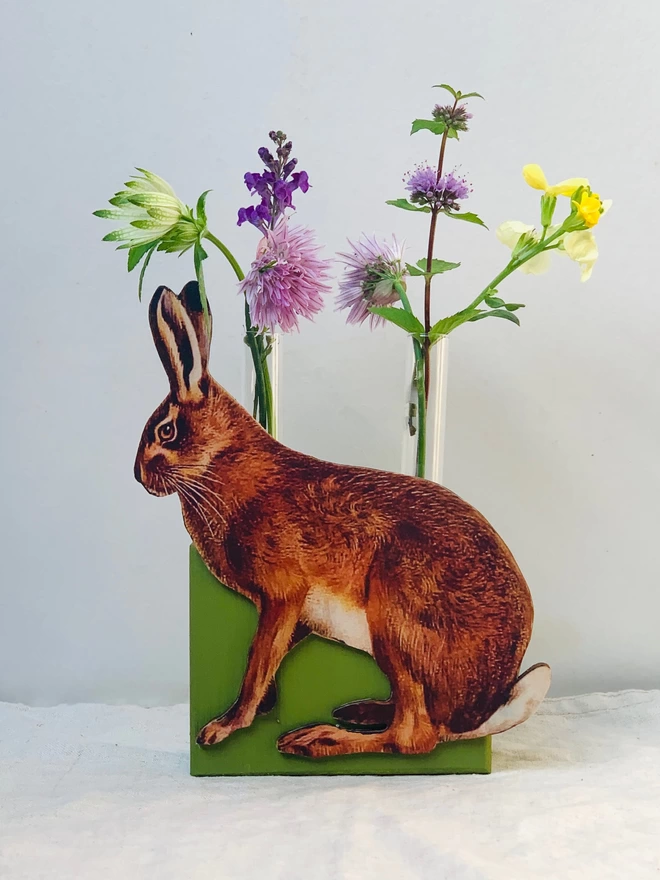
(286, 279)
(372, 267)
(275, 186)
(442, 193)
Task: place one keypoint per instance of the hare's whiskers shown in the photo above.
(195, 504)
(201, 499)
(195, 508)
(200, 480)
(199, 484)
(199, 492)
(190, 467)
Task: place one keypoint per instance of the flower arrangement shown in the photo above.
(288, 279)
(375, 279)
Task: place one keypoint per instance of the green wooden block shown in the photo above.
(315, 677)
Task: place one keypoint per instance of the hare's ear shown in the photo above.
(178, 346)
(203, 324)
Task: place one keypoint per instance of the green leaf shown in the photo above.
(493, 302)
(446, 325)
(472, 95)
(152, 248)
(452, 133)
(437, 126)
(512, 307)
(200, 209)
(199, 255)
(136, 253)
(399, 317)
(437, 266)
(447, 89)
(468, 216)
(407, 206)
(497, 313)
(414, 271)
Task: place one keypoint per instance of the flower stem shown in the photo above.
(419, 381)
(231, 259)
(515, 263)
(429, 263)
(423, 358)
(263, 409)
(199, 273)
(251, 340)
(269, 404)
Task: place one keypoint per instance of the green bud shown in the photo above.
(548, 204)
(526, 239)
(573, 223)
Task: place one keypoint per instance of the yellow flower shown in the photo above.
(581, 246)
(590, 207)
(535, 177)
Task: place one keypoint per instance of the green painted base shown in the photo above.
(316, 676)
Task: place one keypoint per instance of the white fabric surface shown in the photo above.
(103, 792)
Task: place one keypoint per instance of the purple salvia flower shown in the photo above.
(372, 267)
(257, 215)
(286, 279)
(300, 180)
(442, 194)
(266, 157)
(275, 186)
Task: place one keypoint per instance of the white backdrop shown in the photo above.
(553, 428)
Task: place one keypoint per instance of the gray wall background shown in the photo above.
(553, 428)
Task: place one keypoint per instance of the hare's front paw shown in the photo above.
(217, 730)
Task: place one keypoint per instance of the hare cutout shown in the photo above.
(390, 564)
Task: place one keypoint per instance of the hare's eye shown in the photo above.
(166, 432)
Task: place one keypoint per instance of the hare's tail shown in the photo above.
(527, 694)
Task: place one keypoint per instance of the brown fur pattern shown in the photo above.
(389, 563)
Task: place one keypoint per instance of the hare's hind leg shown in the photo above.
(526, 696)
(327, 741)
(399, 654)
(408, 734)
(366, 713)
(410, 731)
